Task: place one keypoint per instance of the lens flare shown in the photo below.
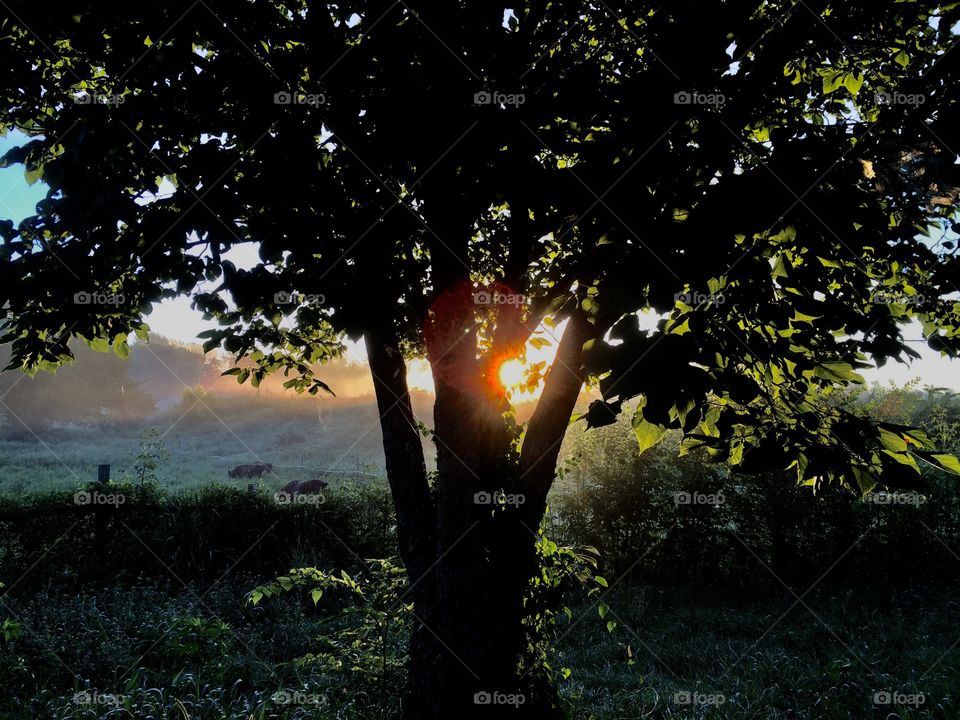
(511, 374)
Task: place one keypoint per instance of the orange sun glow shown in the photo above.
(512, 374)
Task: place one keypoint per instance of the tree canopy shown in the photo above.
(775, 180)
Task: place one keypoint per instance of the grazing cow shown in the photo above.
(312, 486)
(304, 487)
(296, 488)
(256, 470)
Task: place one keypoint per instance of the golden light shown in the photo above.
(419, 376)
(512, 373)
(510, 377)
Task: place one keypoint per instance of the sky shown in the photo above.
(176, 320)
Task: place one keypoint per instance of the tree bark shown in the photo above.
(541, 447)
(413, 503)
(470, 556)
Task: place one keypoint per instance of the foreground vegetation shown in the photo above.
(148, 651)
(720, 596)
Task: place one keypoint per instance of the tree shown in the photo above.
(441, 178)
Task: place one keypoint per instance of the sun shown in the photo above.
(512, 374)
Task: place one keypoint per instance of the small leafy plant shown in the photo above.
(368, 644)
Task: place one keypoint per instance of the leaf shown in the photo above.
(611, 625)
(866, 481)
(316, 595)
(601, 414)
(832, 81)
(839, 372)
(602, 609)
(853, 83)
(648, 433)
(121, 348)
(33, 174)
(892, 441)
(100, 345)
(780, 267)
(945, 462)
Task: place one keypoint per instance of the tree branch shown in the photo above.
(541, 446)
(406, 469)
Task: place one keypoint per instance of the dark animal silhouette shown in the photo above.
(256, 470)
(302, 487)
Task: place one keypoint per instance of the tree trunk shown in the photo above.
(413, 503)
(470, 555)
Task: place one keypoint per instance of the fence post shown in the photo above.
(99, 514)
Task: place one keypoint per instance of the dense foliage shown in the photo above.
(769, 195)
(774, 184)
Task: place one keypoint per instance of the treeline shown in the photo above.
(101, 389)
(684, 520)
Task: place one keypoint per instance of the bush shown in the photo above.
(193, 536)
(687, 521)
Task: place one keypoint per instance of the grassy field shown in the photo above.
(200, 449)
(157, 651)
(147, 614)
